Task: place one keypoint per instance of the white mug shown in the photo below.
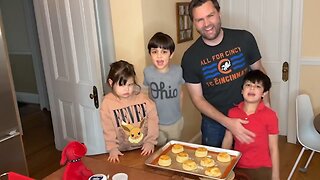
(120, 176)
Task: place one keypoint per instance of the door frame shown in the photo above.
(294, 67)
(105, 39)
(36, 54)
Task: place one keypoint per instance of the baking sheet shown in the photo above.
(190, 148)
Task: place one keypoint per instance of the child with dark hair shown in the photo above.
(260, 159)
(164, 81)
(129, 118)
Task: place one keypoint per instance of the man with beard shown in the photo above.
(214, 67)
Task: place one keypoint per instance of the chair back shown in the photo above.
(304, 113)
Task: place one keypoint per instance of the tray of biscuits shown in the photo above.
(199, 160)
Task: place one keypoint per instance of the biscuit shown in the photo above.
(201, 152)
(182, 156)
(164, 160)
(177, 148)
(213, 171)
(189, 165)
(224, 157)
(207, 162)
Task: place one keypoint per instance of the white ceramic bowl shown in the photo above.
(120, 176)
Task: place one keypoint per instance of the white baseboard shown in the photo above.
(196, 138)
(27, 97)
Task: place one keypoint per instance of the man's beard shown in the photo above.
(217, 30)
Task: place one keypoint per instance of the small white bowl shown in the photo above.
(120, 176)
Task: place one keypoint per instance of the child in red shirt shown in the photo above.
(260, 159)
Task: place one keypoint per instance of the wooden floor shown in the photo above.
(43, 158)
(38, 140)
(288, 155)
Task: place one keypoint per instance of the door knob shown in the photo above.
(94, 96)
(285, 71)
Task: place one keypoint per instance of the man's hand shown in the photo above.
(241, 133)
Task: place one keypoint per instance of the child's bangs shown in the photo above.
(160, 44)
(122, 81)
(125, 75)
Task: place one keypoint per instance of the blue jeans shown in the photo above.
(212, 132)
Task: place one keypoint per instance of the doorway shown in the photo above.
(24, 51)
(27, 72)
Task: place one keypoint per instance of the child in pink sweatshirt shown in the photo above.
(129, 118)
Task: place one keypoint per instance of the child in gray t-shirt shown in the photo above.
(164, 82)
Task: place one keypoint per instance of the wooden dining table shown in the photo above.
(102, 167)
(131, 163)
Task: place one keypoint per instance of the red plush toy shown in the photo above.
(75, 169)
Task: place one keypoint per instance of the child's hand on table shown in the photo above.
(147, 149)
(114, 155)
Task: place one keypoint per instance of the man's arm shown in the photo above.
(235, 126)
(258, 66)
